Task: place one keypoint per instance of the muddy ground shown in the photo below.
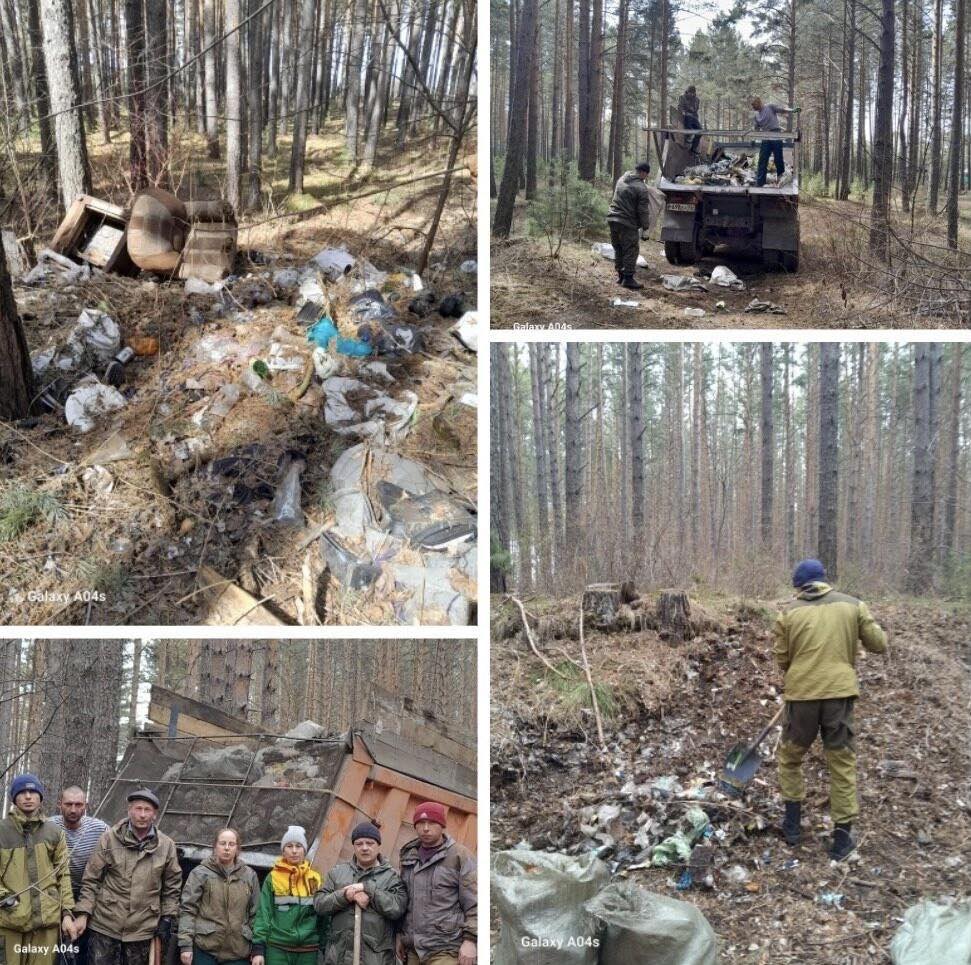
(125, 539)
(837, 285)
(678, 708)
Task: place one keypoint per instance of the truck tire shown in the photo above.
(689, 252)
(672, 251)
(789, 261)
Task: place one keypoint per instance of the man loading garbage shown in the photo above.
(816, 644)
(689, 107)
(767, 119)
(630, 211)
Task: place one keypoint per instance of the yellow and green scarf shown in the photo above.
(298, 880)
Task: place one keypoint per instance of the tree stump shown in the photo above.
(601, 605)
(674, 614)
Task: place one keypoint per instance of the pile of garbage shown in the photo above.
(359, 365)
(732, 170)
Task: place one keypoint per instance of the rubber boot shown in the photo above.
(620, 276)
(792, 826)
(843, 844)
(629, 282)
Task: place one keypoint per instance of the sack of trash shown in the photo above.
(933, 934)
(640, 926)
(540, 898)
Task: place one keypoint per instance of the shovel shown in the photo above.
(743, 761)
(357, 935)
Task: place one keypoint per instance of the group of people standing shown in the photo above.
(75, 889)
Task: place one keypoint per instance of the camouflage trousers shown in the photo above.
(35, 947)
(103, 950)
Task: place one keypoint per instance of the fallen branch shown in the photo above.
(532, 645)
(589, 676)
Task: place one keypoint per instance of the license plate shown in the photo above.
(680, 207)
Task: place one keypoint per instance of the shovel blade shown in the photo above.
(741, 765)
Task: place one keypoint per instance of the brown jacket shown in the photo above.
(129, 884)
(442, 901)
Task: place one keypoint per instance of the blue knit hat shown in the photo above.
(366, 830)
(26, 782)
(808, 571)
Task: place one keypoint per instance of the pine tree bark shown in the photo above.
(879, 241)
(16, 372)
(573, 466)
(828, 456)
(60, 58)
(234, 107)
(919, 570)
(48, 162)
(156, 92)
(934, 184)
(635, 407)
(768, 444)
(355, 60)
(957, 113)
(255, 82)
(209, 36)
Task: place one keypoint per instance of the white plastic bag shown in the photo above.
(933, 934)
(89, 401)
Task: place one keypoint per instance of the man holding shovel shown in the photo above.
(363, 897)
(817, 639)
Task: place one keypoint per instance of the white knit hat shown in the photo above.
(295, 835)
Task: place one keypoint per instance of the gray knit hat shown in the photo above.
(295, 835)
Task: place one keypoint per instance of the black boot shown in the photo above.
(620, 276)
(843, 844)
(629, 282)
(791, 827)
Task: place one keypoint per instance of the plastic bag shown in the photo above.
(640, 926)
(95, 333)
(726, 278)
(90, 400)
(933, 934)
(285, 507)
(334, 262)
(370, 306)
(540, 899)
(466, 330)
(324, 330)
(682, 283)
(678, 846)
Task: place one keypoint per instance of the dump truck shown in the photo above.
(721, 205)
(212, 770)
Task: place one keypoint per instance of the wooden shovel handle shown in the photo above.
(357, 935)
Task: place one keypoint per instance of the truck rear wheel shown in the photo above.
(672, 251)
(789, 261)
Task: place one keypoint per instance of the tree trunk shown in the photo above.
(957, 114)
(16, 373)
(61, 61)
(255, 80)
(234, 107)
(828, 456)
(209, 36)
(768, 445)
(355, 60)
(635, 406)
(532, 116)
(516, 143)
(879, 242)
(48, 162)
(156, 94)
(919, 570)
(673, 614)
(573, 467)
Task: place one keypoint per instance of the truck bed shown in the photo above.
(791, 189)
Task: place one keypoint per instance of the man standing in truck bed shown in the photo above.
(766, 118)
(690, 107)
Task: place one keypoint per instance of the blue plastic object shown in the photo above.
(321, 333)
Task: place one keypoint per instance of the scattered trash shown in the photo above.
(98, 481)
(92, 231)
(540, 900)
(763, 307)
(347, 568)
(353, 408)
(678, 846)
(113, 449)
(310, 290)
(622, 303)
(325, 331)
(157, 230)
(50, 263)
(423, 304)
(95, 338)
(726, 278)
(429, 521)
(470, 267)
(452, 306)
(115, 372)
(933, 934)
(217, 348)
(695, 312)
(831, 899)
(231, 605)
(334, 262)
(640, 926)
(196, 286)
(606, 250)
(282, 359)
(682, 283)
(391, 338)
(466, 330)
(251, 291)
(287, 279)
(370, 306)
(286, 504)
(685, 881)
(144, 345)
(720, 306)
(89, 401)
(737, 875)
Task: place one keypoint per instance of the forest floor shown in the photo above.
(119, 525)
(835, 286)
(676, 711)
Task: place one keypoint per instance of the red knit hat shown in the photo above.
(430, 811)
